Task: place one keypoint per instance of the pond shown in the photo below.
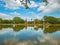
(29, 35)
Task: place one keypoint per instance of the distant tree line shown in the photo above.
(15, 20)
(51, 20)
(18, 20)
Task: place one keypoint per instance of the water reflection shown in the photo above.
(23, 35)
(49, 41)
(52, 29)
(18, 27)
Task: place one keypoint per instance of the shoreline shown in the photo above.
(32, 24)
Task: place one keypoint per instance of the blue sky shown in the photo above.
(38, 9)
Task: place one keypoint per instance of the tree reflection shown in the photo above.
(5, 26)
(0, 27)
(51, 29)
(37, 27)
(17, 28)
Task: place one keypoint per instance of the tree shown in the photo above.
(18, 20)
(5, 21)
(58, 19)
(37, 21)
(25, 3)
(0, 20)
(50, 19)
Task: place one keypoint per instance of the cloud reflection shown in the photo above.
(45, 40)
(27, 37)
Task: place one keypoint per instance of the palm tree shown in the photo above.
(25, 2)
(45, 1)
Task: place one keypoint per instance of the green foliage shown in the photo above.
(7, 21)
(38, 21)
(0, 20)
(18, 28)
(51, 29)
(50, 19)
(18, 20)
(58, 20)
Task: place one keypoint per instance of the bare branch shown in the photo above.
(25, 3)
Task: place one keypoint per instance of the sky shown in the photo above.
(37, 9)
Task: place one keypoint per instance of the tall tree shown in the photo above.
(18, 20)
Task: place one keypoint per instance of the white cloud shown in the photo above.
(11, 15)
(16, 4)
(33, 4)
(41, 8)
(53, 5)
(15, 14)
(12, 4)
(5, 30)
(5, 16)
(49, 39)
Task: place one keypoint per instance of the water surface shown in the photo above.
(21, 35)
